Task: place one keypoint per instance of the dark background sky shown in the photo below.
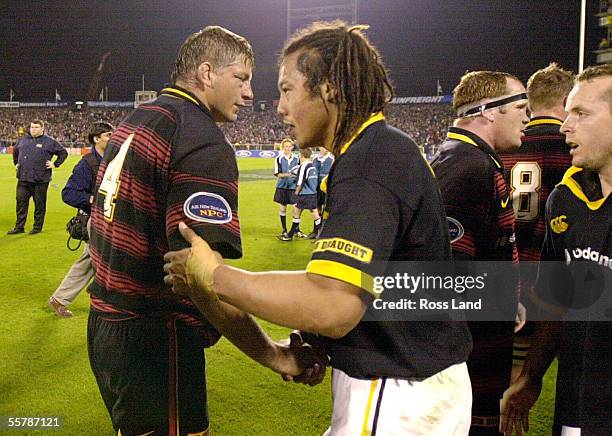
(50, 44)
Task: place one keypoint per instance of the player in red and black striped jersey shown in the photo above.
(491, 114)
(168, 162)
(534, 170)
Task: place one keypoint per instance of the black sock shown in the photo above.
(295, 227)
(283, 220)
(317, 224)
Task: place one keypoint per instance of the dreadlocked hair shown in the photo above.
(342, 56)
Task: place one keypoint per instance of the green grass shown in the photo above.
(43, 359)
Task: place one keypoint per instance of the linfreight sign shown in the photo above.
(433, 99)
(208, 208)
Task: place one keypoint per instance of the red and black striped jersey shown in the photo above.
(167, 162)
(476, 197)
(534, 170)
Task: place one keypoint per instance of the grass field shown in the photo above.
(44, 369)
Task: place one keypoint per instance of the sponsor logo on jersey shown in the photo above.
(347, 248)
(587, 254)
(455, 229)
(39, 145)
(207, 207)
(558, 224)
(243, 153)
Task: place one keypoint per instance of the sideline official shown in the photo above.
(32, 157)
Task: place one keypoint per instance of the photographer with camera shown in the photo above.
(78, 193)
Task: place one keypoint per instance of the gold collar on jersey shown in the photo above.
(181, 94)
(374, 118)
(541, 121)
(574, 187)
(465, 138)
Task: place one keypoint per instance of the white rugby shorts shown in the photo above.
(438, 405)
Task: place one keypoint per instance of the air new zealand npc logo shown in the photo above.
(558, 224)
(455, 229)
(208, 208)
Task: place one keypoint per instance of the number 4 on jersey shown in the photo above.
(110, 182)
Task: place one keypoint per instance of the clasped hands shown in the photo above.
(191, 272)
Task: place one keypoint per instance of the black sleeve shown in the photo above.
(16, 153)
(60, 152)
(357, 233)
(554, 286)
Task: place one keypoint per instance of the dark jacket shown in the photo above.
(81, 183)
(30, 155)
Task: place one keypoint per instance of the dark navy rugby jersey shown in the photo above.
(579, 230)
(167, 162)
(383, 204)
(534, 170)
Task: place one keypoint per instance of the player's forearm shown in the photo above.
(296, 300)
(240, 329)
(544, 347)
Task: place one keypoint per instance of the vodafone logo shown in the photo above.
(587, 254)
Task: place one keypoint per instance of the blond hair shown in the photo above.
(213, 44)
(475, 86)
(596, 72)
(548, 87)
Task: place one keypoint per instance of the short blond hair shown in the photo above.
(596, 72)
(548, 87)
(285, 141)
(213, 44)
(477, 85)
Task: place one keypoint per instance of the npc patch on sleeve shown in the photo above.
(455, 229)
(208, 208)
(347, 248)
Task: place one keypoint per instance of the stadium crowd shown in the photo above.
(426, 123)
(67, 126)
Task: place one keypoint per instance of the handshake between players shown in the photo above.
(191, 271)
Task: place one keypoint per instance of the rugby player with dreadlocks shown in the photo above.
(388, 377)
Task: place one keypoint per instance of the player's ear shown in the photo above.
(204, 73)
(488, 115)
(328, 92)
